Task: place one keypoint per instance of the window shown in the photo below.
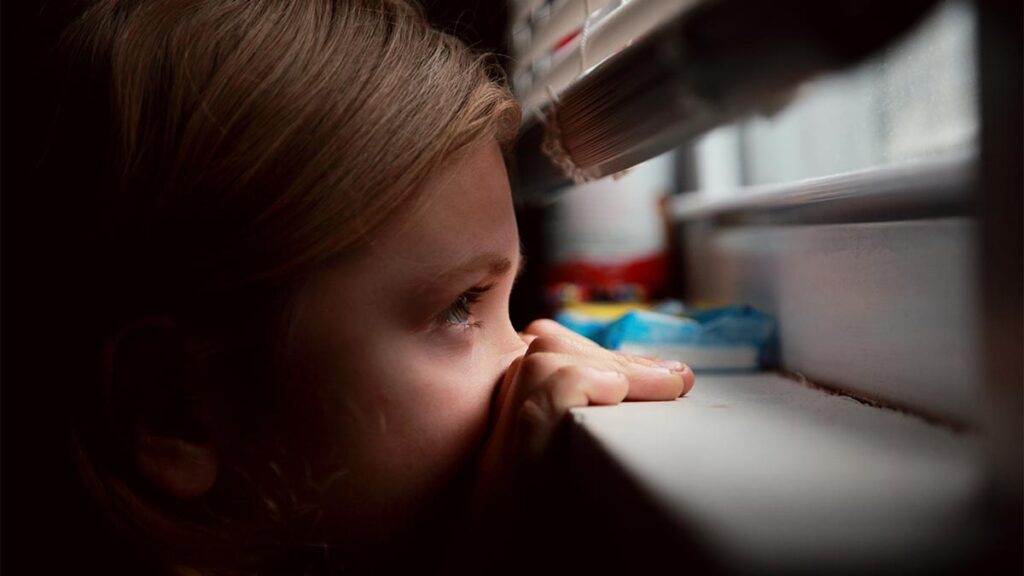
(914, 102)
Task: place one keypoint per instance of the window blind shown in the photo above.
(574, 35)
(607, 84)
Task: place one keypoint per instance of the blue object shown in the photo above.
(730, 338)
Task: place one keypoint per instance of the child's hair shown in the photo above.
(218, 150)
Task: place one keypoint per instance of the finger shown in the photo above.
(651, 360)
(599, 386)
(548, 327)
(535, 371)
(673, 365)
(568, 387)
(507, 385)
(689, 379)
(560, 345)
(648, 380)
(557, 342)
(654, 382)
(576, 386)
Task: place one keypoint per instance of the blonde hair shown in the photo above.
(297, 126)
(234, 144)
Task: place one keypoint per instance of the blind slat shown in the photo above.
(696, 66)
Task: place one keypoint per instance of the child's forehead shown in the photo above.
(463, 215)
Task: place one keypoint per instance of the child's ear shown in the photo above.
(159, 381)
(179, 468)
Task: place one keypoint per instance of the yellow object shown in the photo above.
(605, 310)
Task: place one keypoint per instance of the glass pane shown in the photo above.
(915, 101)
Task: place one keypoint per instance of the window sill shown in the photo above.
(769, 475)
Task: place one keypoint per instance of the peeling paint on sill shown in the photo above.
(874, 401)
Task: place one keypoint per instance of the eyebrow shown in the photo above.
(492, 263)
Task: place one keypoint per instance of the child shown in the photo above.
(301, 242)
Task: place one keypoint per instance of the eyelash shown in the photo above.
(459, 314)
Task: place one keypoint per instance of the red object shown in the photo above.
(565, 40)
(647, 272)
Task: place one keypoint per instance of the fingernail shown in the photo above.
(660, 370)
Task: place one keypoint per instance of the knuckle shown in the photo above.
(546, 344)
(543, 326)
(533, 412)
(566, 391)
(536, 366)
(566, 375)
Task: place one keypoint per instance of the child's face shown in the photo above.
(401, 347)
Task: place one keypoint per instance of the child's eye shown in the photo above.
(460, 312)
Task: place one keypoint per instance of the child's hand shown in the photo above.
(562, 370)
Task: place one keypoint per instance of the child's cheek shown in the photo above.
(454, 374)
(421, 416)
(451, 344)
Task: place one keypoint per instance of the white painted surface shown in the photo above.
(701, 357)
(887, 308)
(611, 220)
(719, 165)
(919, 185)
(777, 476)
